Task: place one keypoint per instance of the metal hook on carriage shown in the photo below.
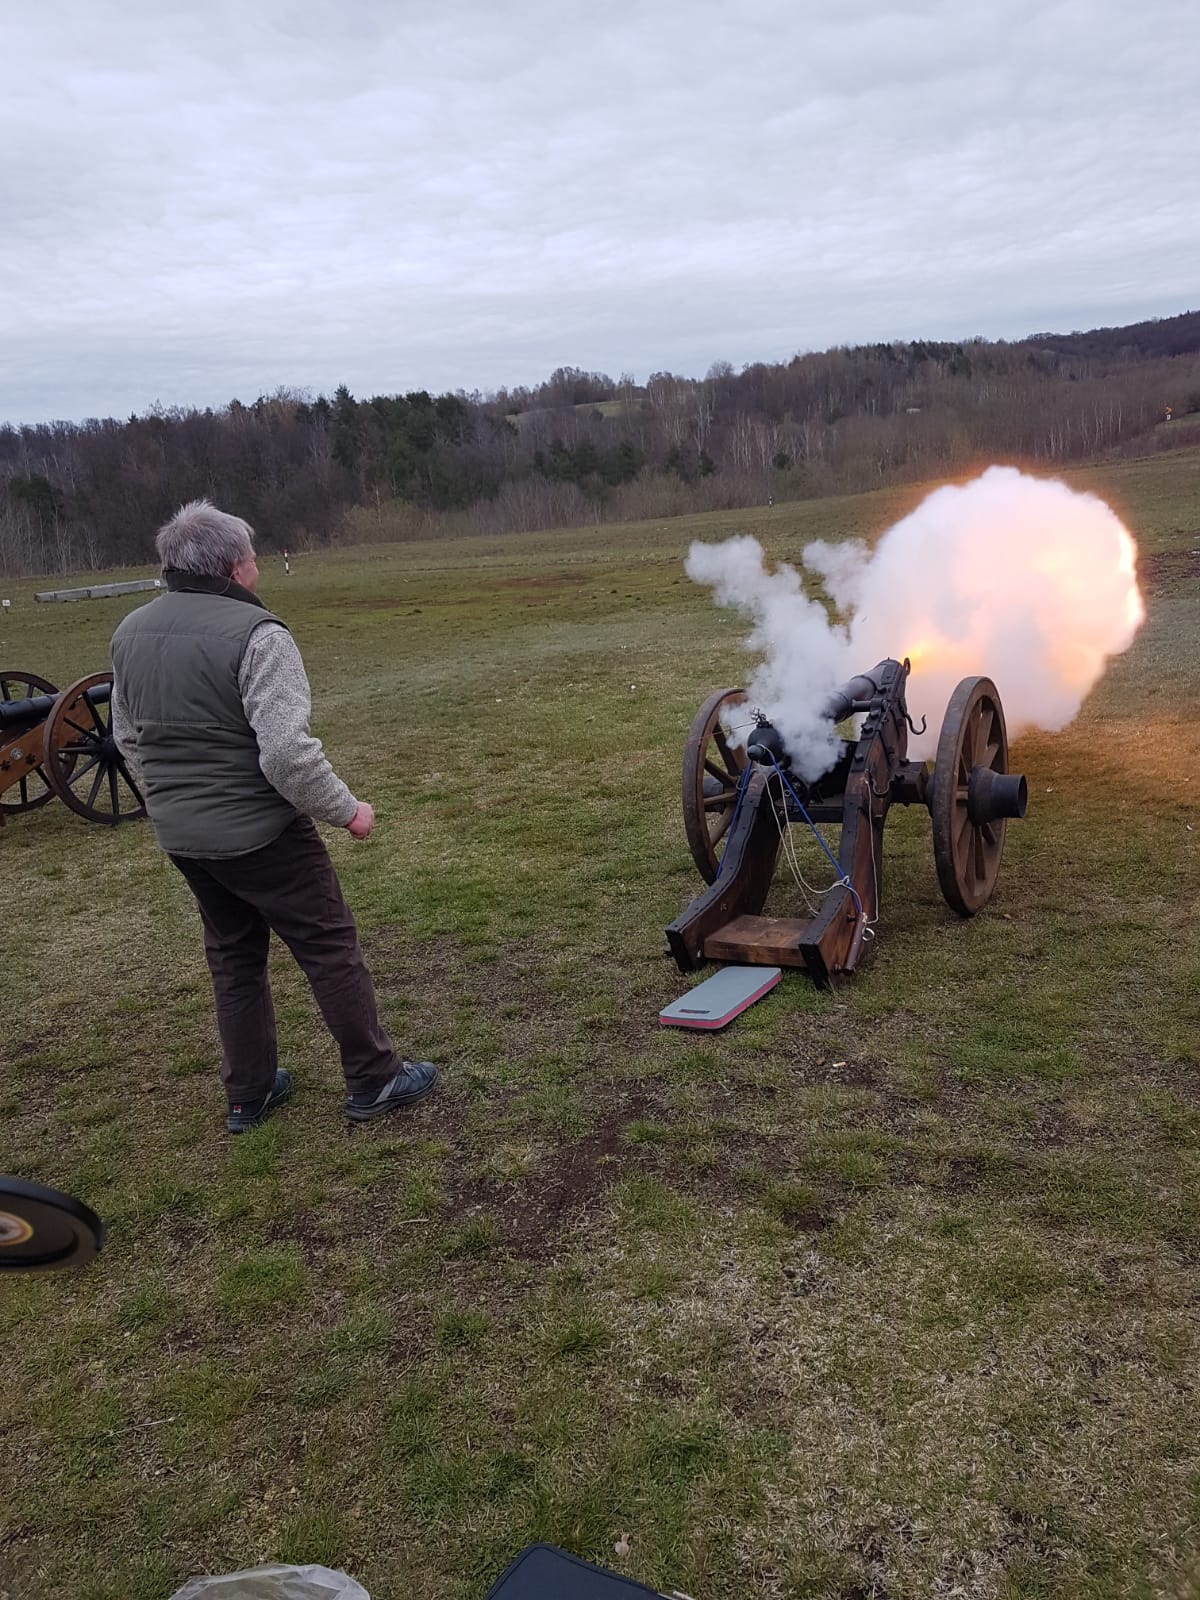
(912, 725)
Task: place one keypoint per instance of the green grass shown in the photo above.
(885, 1292)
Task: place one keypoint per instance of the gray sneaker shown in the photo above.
(413, 1082)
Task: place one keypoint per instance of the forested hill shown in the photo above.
(583, 448)
(1140, 341)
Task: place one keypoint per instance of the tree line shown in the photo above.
(583, 447)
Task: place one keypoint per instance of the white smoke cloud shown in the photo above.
(803, 655)
(1019, 578)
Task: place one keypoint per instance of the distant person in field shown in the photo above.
(210, 710)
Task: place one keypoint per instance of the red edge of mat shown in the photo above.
(722, 1021)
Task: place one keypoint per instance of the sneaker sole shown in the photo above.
(397, 1103)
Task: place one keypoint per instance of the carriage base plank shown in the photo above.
(775, 940)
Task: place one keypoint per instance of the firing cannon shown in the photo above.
(740, 796)
(62, 744)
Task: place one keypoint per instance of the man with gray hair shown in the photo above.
(210, 709)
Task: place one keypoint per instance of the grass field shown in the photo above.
(890, 1293)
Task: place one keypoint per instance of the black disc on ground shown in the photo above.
(41, 1228)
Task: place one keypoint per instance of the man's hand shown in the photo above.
(361, 823)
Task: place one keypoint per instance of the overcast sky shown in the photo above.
(207, 200)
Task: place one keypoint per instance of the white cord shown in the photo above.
(789, 850)
(807, 890)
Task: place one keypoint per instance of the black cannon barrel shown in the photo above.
(994, 795)
(18, 715)
(857, 694)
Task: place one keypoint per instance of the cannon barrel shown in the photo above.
(766, 743)
(993, 795)
(17, 716)
(857, 694)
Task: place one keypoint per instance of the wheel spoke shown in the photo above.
(86, 733)
(962, 833)
(983, 733)
(82, 770)
(96, 786)
(728, 754)
(722, 828)
(725, 779)
(965, 741)
(990, 751)
(112, 789)
(129, 783)
(101, 725)
(979, 856)
(718, 802)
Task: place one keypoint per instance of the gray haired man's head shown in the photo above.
(202, 540)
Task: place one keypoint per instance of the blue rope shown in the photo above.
(837, 867)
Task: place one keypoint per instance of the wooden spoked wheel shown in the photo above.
(33, 788)
(967, 853)
(81, 759)
(712, 773)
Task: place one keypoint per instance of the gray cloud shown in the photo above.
(199, 202)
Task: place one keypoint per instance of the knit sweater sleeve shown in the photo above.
(278, 705)
(124, 732)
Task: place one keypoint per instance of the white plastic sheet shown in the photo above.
(274, 1583)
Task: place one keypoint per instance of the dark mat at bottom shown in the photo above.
(544, 1573)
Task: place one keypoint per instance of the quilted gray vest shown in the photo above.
(176, 662)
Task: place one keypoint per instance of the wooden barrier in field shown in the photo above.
(100, 591)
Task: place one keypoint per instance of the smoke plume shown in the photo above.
(1021, 579)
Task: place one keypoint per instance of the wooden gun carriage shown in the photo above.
(740, 796)
(62, 744)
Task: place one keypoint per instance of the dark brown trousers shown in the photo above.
(288, 886)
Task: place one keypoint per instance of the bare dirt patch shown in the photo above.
(533, 1215)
